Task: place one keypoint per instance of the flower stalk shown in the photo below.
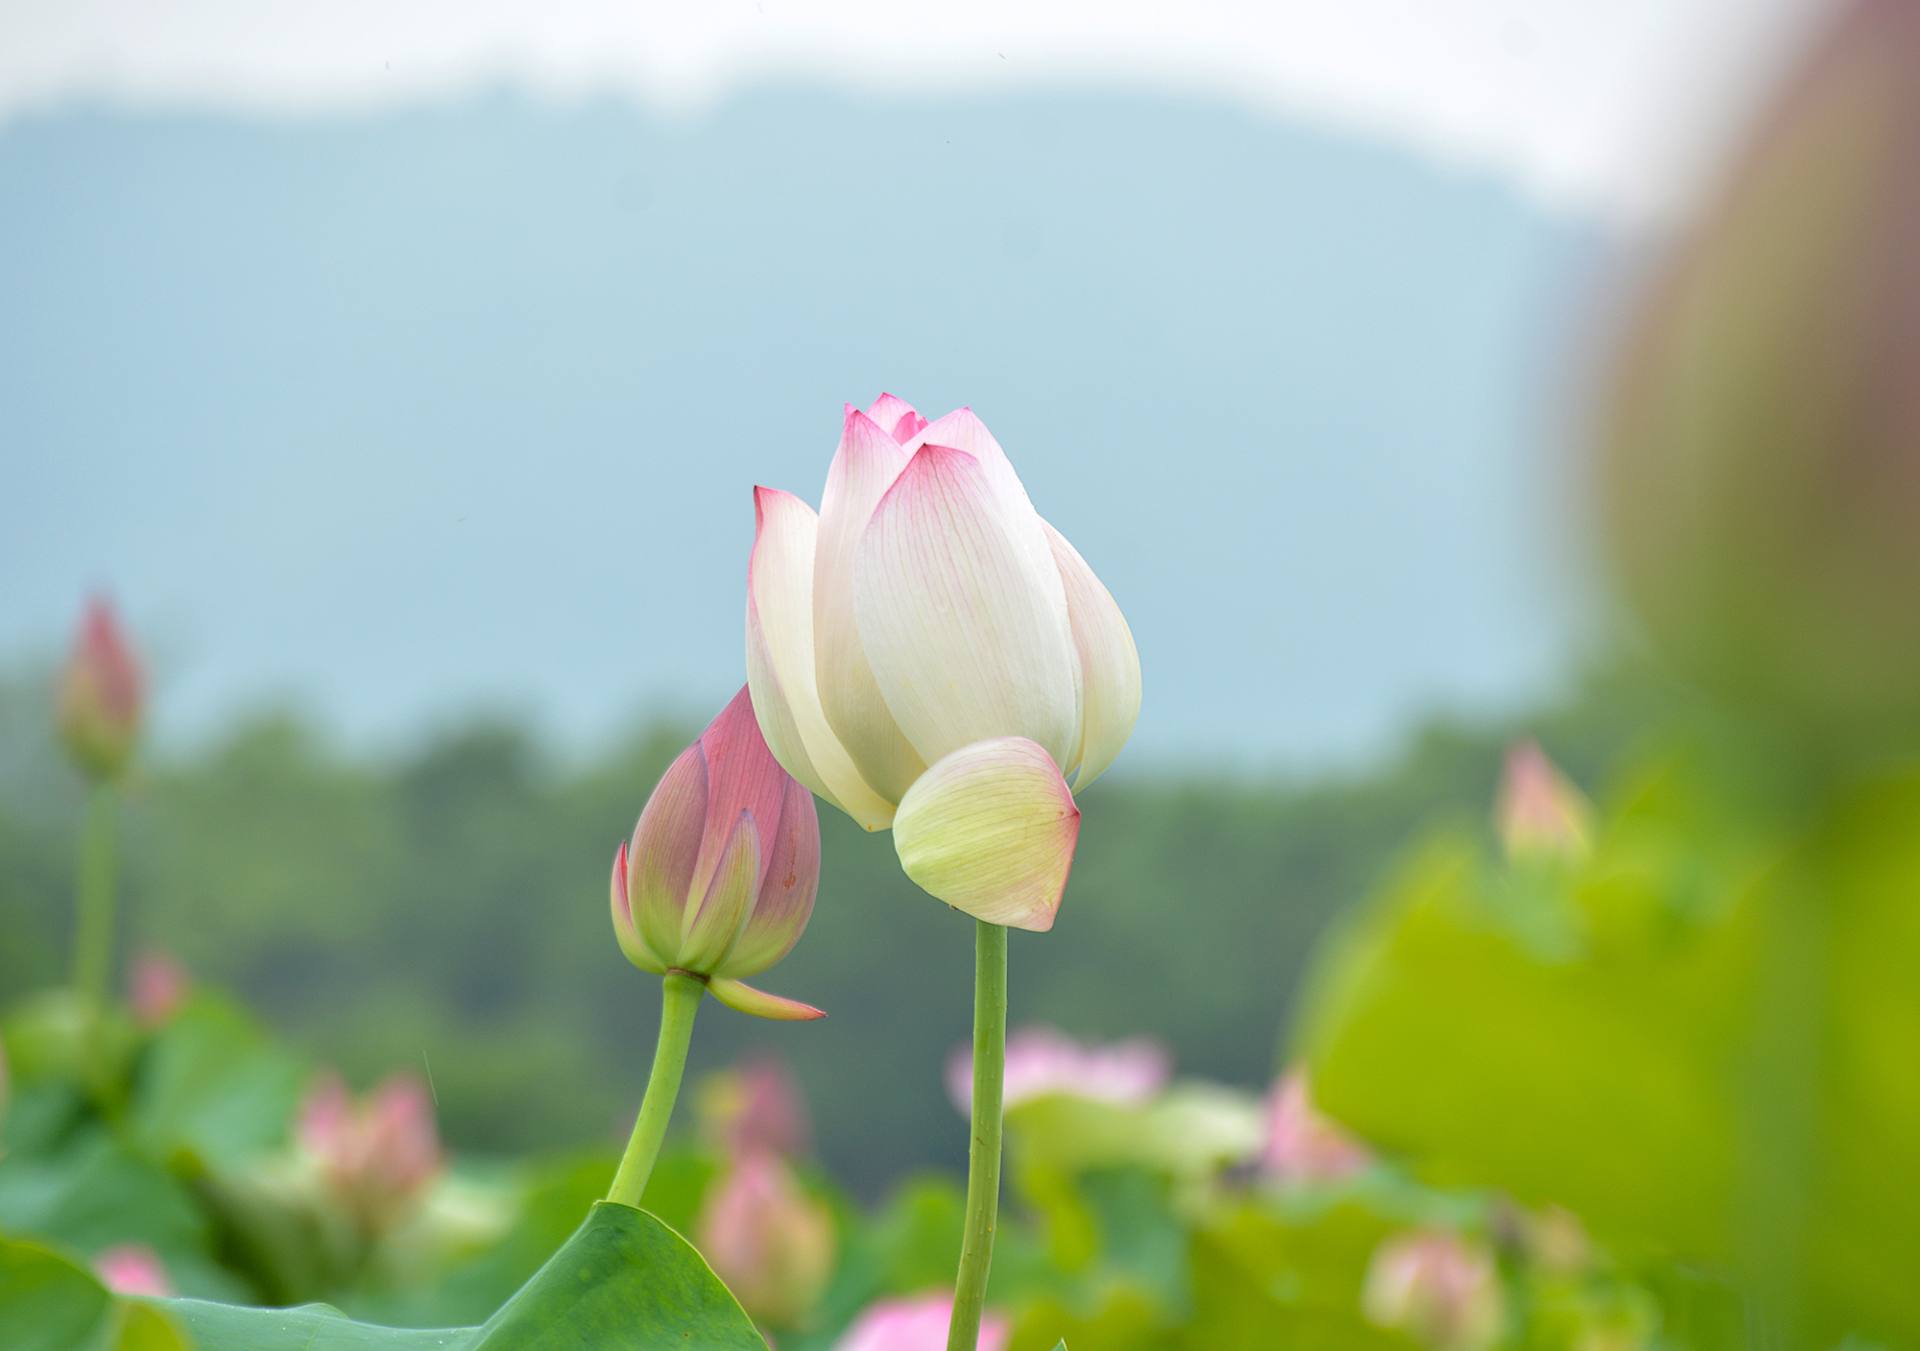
(983, 1149)
(93, 921)
(680, 1000)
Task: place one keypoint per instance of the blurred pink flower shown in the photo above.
(1302, 1145)
(769, 1241)
(156, 987)
(917, 1324)
(1438, 1287)
(377, 1154)
(755, 1107)
(133, 1269)
(99, 694)
(1044, 1060)
(1538, 811)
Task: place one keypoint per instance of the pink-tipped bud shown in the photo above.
(376, 1155)
(99, 695)
(157, 986)
(767, 1239)
(1302, 1145)
(754, 1108)
(1539, 813)
(1043, 1061)
(133, 1269)
(719, 878)
(917, 1324)
(1436, 1286)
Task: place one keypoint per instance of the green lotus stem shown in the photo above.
(680, 996)
(93, 921)
(983, 1150)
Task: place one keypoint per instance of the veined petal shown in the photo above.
(710, 930)
(743, 997)
(963, 430)
(637, 952)
(666, 846)
(1109, 664)
(791, 864)
(990, 830)
(896, 417)
(742, 776)
(780, 660)
(964, 624)
(864, 467)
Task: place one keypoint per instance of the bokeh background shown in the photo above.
(404, 376)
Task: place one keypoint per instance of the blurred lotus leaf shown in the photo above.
(214, 1085)
(49, 1303)
(1192, 1129)
(1699, 1040)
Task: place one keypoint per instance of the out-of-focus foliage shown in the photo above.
(1759, 460)
(445, 912)
(1699, 1038)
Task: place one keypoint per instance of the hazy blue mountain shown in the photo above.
(403, 412)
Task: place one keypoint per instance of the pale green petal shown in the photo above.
(990, 830)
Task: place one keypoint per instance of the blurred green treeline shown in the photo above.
(445, 911)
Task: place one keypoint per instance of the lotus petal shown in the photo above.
(990, 830)
(965, 624)
(1109, 664)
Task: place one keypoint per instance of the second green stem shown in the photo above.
(983, 1150)
(680, 1000)
(93, 923)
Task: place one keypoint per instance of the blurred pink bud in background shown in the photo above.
(377, 1153)
(133, 1269)
(98, 710)
(918, 1324)
(1437, 1287)
(720, 875)
(755, 1107)
(1044, 1060)
(1302, 1145)
(769, 1241)
(156, 987)
(1538, 812)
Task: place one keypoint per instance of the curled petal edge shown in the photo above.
(744, 998)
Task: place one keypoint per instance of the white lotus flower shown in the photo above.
(928, 654)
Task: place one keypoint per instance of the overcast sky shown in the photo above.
(1574, 99)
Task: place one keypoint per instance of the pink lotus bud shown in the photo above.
(918, 1324)
(928, 654)
(133, 1269)
(769, 1241)
(376, 1155)
(1539, 813)
(1760, 470)
(1439, 1288)
(720, 876)
(99, 695)
(1302, 1145)
(1044, 1060)
(755, 1108)
(156, 987)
